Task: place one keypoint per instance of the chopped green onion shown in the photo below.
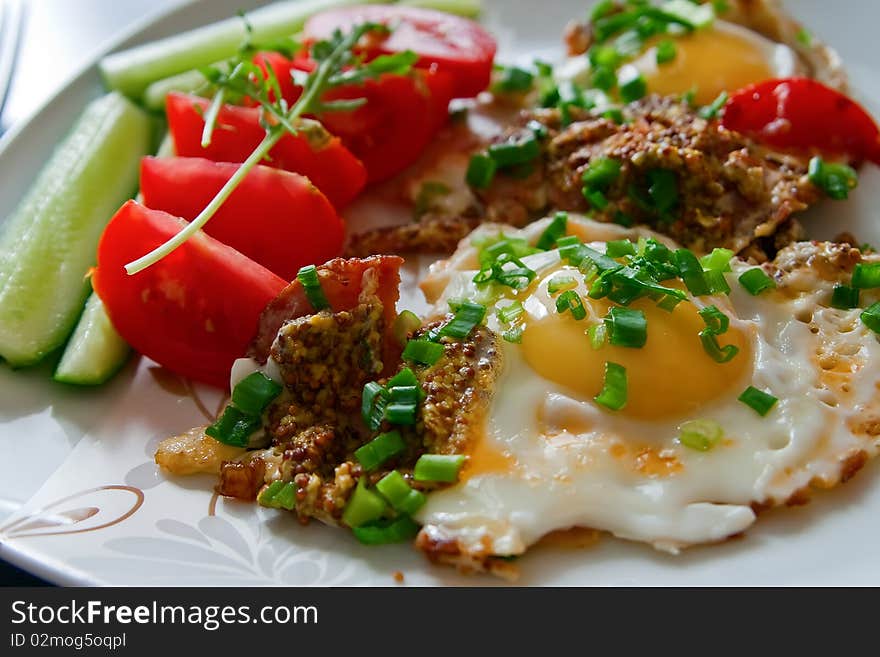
(595, 198)
(712, 111)
(716, 281)
(718, 260)
(623, 219)
(514, 334)
(598, 335)
(308, 277)
(689, 96)
(627, 327)
(601, 173)
(701, 435)
(234, 427)
(380, 449)
(666, 51)
(399, 530)
(514, 80)
(466, 318)
(632, 84)
(403, 404)
(845, 297)
(690, 15)
(373, 403)
(438, 467)
(602, 8)
(669, 303)
(691, 272)
(423, 351)
(716, 352)
(871, 317)
(560, 283)
(553, 232)
(609, 25)
(620, 248)
(758, 400)
(286, 497)
(516, 150)
(253, 393)
(604, 56)
(632, 42)
(511, 313)
(866, 276)
(405, 325)
(539, 129)
(267, 495)
(402, 498)
(614, 393)
(663, 189)
(506, 270)
(481, 171)
(364, 506)
(603, 78)
(614, 114)
(804, 37)
(405, 377)
(570, 300)
(755, 281)
(836, 180)
(717, 324)
(517, 247)
(716, 321)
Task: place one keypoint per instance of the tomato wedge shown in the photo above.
(402, 114)
(193, 312)
(805, 115)
(401, 117)
(452, 44)
(281, 66)
(343, 281)
(325, 161)
(277, 218)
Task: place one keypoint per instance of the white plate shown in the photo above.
(98, 511)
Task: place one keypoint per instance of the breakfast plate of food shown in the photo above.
(449, 292)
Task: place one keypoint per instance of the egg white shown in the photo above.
(569, 477)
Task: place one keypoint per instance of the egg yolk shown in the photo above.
(671, 375)
(709, 61)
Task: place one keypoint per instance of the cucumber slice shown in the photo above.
(132, 71)
(187, 82)
(95, 351)
(466, 8)
(150, 71)
(49, 242)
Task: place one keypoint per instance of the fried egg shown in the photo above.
(721, 57)
(550, 458)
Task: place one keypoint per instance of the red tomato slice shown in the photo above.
(401, 117)
(343, 282)
(196, 310)
(326, 162)
(402, 114)
(454, 45)
(803, 114)
(282, 67)
(276, 218)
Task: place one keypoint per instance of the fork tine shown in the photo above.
(10, 39)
